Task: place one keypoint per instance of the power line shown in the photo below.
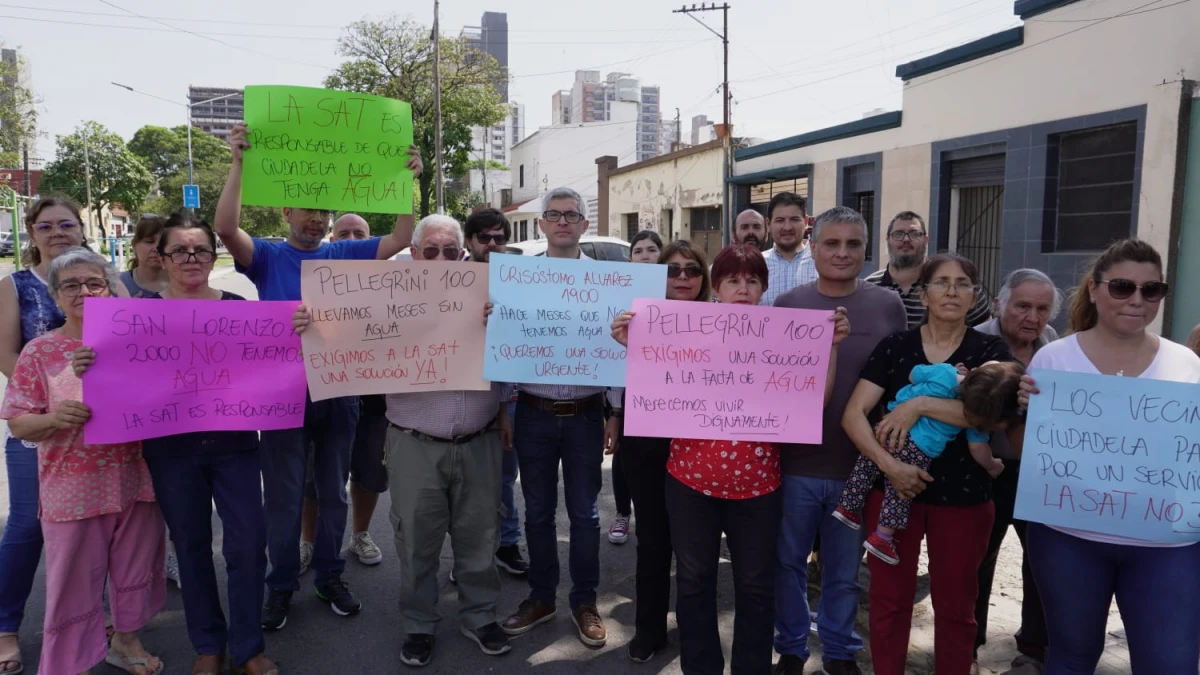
(1106, 18)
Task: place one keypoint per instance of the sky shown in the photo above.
(795, 65)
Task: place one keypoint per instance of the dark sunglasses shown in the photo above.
(448, 252)
(1122, 289)
(498, 239)
(674, 271)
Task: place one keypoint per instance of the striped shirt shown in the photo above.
(808, 267)
(980, 312)
(782, 275)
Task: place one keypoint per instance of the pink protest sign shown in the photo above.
(166, 367)
(735, 372)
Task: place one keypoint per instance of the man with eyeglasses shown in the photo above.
(444, 456)
(907, 248)
(560, 423)
(368, 478)
(788, 257)
(487, 231)
(329, 425)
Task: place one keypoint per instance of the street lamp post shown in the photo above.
(188, 107)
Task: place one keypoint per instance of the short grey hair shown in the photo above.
(437, 221)
(564, 193)
(840, 214)
(79, 255)
(1024, 276)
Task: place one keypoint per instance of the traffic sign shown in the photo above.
(191, 196)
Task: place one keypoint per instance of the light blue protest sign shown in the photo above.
(550, 318)
(1115, 455)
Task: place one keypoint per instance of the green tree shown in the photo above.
(258, 221)
(394, 58)
(18, 113)
(117, 175)
(477, 165)
(165, 151)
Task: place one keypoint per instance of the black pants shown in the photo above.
(1031, 639)
(644, 463)
(621, 493)
(751, 528)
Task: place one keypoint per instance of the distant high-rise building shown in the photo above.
(491, 37)
(590, 100)
(703, 130)
(495, 143)
(216, 117)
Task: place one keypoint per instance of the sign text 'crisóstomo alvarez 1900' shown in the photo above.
(326, 149)
(733, 372)
(166, 367)
(1114, 455)
(390, 327)
(552, 318)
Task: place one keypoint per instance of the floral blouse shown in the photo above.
(725, 469)
(75, 480)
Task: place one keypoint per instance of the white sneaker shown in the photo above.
(306, 551)
(618, 532)
(172, 572)
(364, 547)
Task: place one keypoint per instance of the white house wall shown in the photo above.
(692, 181)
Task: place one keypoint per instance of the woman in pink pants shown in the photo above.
(97, 509)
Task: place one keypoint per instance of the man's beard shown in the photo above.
(482, 257)
(905, 262)
(752, 240)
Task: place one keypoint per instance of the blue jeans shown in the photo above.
(808, 505)
(577, 442)
(1156, 592)
(510, 518)
(187, 487)
(21, 547)
(329, 426)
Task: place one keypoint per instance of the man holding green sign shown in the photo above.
(312, 151)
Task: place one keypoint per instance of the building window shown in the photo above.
(706, 220)
(762, 193)
(1093, 187)
(864, 203)
(521, 180)
(631, 224)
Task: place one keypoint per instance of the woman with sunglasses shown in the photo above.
(643, 461)
(1078, 572)
(52, 226)
(194, 471)
(146, 273)
(99, 517)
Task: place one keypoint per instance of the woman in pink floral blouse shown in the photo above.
(97, 508)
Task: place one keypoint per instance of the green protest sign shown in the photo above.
(327, 149)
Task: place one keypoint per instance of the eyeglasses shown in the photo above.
(960, 287)
(74, 288)
(910, 236)
(203, 256)
(317, 212)
(571, 217)
(1122, 289)
(674, 271)
(448, 252)
(64, 226)
(498, 239)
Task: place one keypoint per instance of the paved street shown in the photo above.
(317, 641)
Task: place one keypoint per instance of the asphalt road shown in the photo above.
(316, 640)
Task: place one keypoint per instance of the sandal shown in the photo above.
(10, 657)
(209, 664)
(129, 663)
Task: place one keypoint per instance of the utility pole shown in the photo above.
(727, 140)
(440, 186)
(678, 132)
(87, 173)
(28, 178)
(487, 139)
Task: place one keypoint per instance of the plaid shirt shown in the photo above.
(980, 312)
(447, 414)
(782, 274)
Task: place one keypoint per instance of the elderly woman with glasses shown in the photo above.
(99, 517)
(194, 471)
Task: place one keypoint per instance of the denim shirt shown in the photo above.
(197, 443)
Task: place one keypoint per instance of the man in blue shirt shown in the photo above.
(329, 425)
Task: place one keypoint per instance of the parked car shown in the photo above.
(597, 248)
(6, 244)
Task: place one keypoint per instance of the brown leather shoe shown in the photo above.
(590, 625)
(209, 664)
(259, 665)
(528, 615)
